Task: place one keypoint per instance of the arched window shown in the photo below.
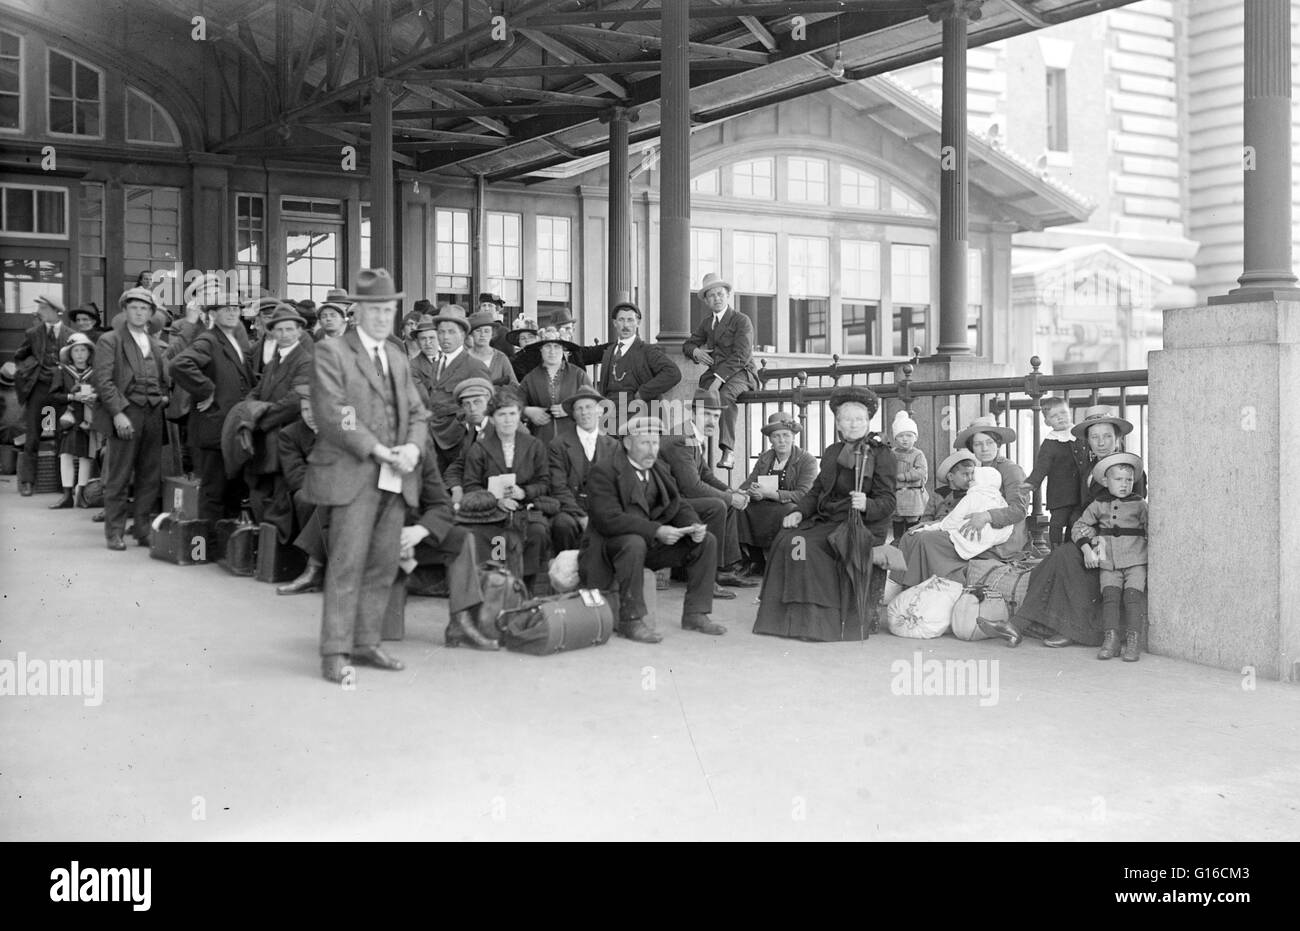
(147, 122)
(902, 202)
(76, 96)
(859, 189)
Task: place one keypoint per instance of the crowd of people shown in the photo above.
(378, 445)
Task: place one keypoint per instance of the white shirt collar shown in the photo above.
(626, 344)
(285, 352)
(700, 439)
(588, 437)
(141, 340)
(450, 357)
(370, 344)
(717, 318)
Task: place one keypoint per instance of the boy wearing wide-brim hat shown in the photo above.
(1113, 536)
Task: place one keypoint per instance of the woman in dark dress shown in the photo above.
(546, 386)
(1063, 602)
(806, 592)
(795, 471)
(506, 449)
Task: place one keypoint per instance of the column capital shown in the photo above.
(611, 114)
(954, 9)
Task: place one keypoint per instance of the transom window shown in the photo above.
(806, 180)
(752, 180)
(75, 96)
(34, 211)
(860, 269)
(902, 202)
(859, 189)
(147, 121)
(706, 183)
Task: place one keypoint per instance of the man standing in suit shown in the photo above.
(632, 370)
(289, 368)
(637, 522)
(724, 342)
(216, 369)
(132, 383)
(442, 364)
(572, 453)
(37, 360)
(686, 455)
(362, 473)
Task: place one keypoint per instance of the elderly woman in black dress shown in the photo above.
(1063, 602)
(806, 592)
(791, 470)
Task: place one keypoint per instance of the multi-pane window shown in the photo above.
(706, 255)
(90, 234)
(910, 289)
(313, 247)
(806, 180)
(147, 121)
(706, 183)
(810, 287)
(860, 295)
(451, 255)
(902, 202)
(859, 323)
(754, 259)
(250, 244)
(859, 189)
(752, 179)
(11, 81)
(1057, 123)
(153, 229)
(75, 96)
(505, 259)
(364, 244)
(975, 300)
(554, 270)
(34, 211)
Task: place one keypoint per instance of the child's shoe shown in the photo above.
(1132, 651)
(1109, 646)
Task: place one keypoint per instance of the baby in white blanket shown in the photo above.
(984, 494)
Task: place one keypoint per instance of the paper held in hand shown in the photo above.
(500, 485)
(768, 483)
(389, 479)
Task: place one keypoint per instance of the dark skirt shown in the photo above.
(928, 553)
(805, 593)
(79, 442)
(1065, 596)
(760, 522)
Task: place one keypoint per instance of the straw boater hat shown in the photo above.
(961, 455)
(481, 318)
(586, 391)
(473, 386)
(1101, 414)
(375, 284)
(984, 424)
(76, 339)
(453, 313)
(480, 507)
(711, 281)
(1114, 459)
(781, 420)
(856, 394)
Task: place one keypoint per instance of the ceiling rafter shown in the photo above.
(570, 57)
(647, 42)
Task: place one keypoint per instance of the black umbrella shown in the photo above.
(853, 542)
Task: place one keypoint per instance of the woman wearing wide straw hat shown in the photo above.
(482, 330)
(1063, 602)
(78, 444)
(794, 470)
(986, 439)
(807, 592)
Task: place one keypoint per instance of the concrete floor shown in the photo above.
(215, 724)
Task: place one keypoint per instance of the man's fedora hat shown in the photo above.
(713, 280)
(781, 420)
(987, 425)
(452, 313)
(560, 318)
(1101, 414)
(587, 392)
(426, 324)
(374, 284)
(480, 507)
(1114, 459)
(336, 295)
(950, 463)
(471, 387)
(284, 313)
(706, 398)
(76, 339)
(481, 318)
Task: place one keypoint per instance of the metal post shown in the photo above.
(382, 228)
(620, 210)
(674, 176)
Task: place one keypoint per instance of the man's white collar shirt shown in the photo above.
(141, 340)
(230, 335)
(370, 345)
(588, 440)
(717, 318)
(285, 352)
(268, 350)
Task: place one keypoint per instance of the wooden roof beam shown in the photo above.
(649, 42)
(570, 57)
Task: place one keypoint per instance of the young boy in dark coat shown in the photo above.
(1058, 461)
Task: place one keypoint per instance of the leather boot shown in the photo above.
(1109, 645)
(1135, 615)
(636, 629)
(1132, 647)
(79, 497)
(65, 501)
(702, 624)
(311, 580)
(25, 489)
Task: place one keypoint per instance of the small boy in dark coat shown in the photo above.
(1057, 461)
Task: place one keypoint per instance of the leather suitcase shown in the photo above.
(544, 626)
(181, 496)
(276, 561)
(179, 541)
(236, 546)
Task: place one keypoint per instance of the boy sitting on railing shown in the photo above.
(1058, 460)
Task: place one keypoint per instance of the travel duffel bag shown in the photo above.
(978, 602)
(562, 622)
(924, 611)
(502, 590)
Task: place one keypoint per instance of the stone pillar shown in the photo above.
(1266, 158)
(620, 211)
(382, 238)
(674, 179)
(954, 196)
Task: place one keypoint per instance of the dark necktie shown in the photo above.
(379, 363)
(442, 366)
(618, 353)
